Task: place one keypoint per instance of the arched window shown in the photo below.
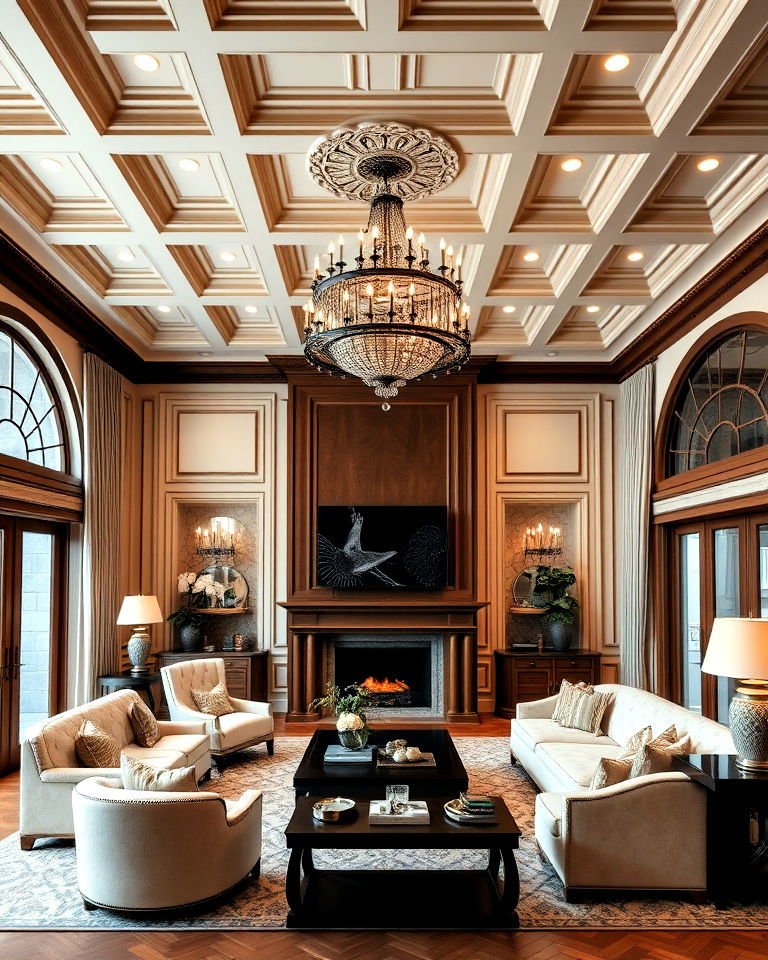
(721, 405)
(31, 425)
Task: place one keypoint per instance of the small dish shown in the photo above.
(333, 809)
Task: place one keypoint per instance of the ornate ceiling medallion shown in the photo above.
(393, 318)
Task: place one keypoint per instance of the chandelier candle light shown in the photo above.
(387, 316)
(537, 543)
(219, 541)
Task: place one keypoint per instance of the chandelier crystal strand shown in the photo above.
(386, 315)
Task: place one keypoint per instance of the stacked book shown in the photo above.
(415, 812)
(471, 808)
(335, 753)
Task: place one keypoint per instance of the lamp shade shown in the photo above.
(139, 609)
(738, 647)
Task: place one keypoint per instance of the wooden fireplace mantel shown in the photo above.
(309, 622)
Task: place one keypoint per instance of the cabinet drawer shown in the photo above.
(573, 670)
(532, 684)
(237, 682)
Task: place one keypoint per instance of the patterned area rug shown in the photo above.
(39, 888)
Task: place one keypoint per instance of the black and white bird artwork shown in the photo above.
(345, 566)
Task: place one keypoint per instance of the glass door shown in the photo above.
(727, 596)
(31, 574)
(689, 618)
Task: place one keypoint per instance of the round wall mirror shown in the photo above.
(234, 583)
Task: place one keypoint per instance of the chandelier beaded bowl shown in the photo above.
(386, 316)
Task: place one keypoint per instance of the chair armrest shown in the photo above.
(251, 706)
(167, 728)
(77, 774)
(238, 809)
(536, 709)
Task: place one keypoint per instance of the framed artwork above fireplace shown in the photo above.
(387, 548)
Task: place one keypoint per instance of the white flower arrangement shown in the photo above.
(185, 581)
(349, 721)
(201, 586)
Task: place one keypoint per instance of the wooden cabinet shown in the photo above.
(523, 675)
(246, 672)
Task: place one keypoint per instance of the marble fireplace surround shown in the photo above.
(313, 627)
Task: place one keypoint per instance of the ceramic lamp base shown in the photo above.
(748, 719)
(138, 648)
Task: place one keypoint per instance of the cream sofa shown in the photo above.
(142, 851)
(644, 834)
(251, 722)
(50, 766)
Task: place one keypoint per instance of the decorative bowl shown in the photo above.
(333, 809)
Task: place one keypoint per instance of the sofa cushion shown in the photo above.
(144, 724)
(574, 764)
(610, 772)
(586, 711)
(547, 731)
(95, 747)
(164, 759)
(137, 775)
(565, 698)
(190, 745)
(637, 740)
(237, 728)
(656, 757)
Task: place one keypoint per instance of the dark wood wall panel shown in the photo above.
(366, 456)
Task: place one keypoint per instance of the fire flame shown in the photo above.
(384, 686)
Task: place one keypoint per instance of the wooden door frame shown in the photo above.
(11, 611)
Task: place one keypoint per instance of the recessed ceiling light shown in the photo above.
(189, 164)
(592, 308)
(508, 309)
(572, 164)
(126, 256)
(163, 308)
(616, 62)
(227, 256)
(635, 256)
(531, 256)
(707, 164)
(551, 353)
(146, 62)
(251, 308)
(49, 163)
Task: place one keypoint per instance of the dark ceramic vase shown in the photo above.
(190, 638)
(560, 634)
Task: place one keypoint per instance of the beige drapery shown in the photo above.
(102, 395)
(635, 448)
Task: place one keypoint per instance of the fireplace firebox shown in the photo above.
(402, 674)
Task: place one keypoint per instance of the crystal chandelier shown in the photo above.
(386, 315)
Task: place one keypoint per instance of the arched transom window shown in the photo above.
(721, 408)
(30, 421)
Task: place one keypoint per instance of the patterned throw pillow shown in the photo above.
(586, 711)
(565, 697)
(215, 701)
(636, 741)
(655, 757)
(610, 772)
(95, 747)
(137, 775)
(145, 729)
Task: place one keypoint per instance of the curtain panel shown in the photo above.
(636, 400)
(101, 530)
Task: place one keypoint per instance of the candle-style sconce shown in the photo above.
(540, 543)
(222, 538)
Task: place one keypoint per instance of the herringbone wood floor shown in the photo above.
(524, 945)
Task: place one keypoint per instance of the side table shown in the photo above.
(737, 807)
(128, 681)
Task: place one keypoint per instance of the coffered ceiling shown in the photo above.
(152, 156)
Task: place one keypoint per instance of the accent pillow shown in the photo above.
(586, 711)
(610, 772)
(215, 701)
(657, 758)
(636, 741)
(137, 775)
(145, 729)
(95, 747)
(565, 696)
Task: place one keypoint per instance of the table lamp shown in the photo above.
(738, 647)
(137, 612)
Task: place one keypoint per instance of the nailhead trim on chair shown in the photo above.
(570, 801)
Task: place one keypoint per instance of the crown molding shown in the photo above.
(32, 283)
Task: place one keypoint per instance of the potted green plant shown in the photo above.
(198, 591)
(560, 612)
(349, 707)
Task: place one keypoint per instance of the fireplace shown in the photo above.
(404, 674)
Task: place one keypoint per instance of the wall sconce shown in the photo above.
(540, 543)
(221, 539)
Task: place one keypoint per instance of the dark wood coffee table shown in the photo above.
(446, 779)
(402, 899)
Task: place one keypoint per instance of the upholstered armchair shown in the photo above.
(250, 723)
(141, 850)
